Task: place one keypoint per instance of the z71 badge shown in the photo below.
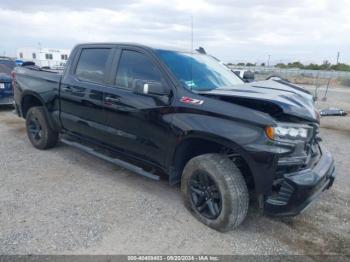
(189, 100)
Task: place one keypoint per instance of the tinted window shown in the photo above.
(92, 65)
(6, 66)
(135, 66)
(198, 71)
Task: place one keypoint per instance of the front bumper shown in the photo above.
(298, 190)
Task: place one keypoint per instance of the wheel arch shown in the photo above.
(31, 99)
(28, 100)
(198, 144)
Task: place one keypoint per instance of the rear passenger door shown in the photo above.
(138, 123)
(81, 93)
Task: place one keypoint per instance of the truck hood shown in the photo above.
(291, 99)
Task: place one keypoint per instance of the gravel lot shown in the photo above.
(63, 201)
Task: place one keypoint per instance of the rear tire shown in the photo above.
(39, 132)
(223, 204)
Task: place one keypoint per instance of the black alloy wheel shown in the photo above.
(205, 195)
(35, 129)
(39, 131)
(214, 191)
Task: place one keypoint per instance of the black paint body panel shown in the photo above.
(150, 129)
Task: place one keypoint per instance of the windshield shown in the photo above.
(6, 66)
(199, 72)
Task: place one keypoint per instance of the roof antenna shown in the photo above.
(191, 83)
(191, 33)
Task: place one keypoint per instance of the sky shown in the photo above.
(232, 30)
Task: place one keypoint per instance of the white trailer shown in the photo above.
(44, 57)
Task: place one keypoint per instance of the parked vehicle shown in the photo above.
(6, 90)
(19, 62)
(185, 115)
(247, 75)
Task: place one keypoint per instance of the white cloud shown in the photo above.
(306, 30)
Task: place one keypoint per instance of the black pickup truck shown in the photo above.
(184, 115)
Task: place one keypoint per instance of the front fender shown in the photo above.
(237, 132)
(236, 135)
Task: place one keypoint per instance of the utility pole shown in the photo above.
(268, 61)
(39, 56)
(338, 55)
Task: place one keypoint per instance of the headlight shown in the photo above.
(289, 131)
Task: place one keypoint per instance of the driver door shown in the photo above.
(137, 123)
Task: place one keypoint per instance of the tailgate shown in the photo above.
(6, 89)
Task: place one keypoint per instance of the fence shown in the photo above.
(294, 71)
(301, 76)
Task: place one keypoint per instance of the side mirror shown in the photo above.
(150, 88)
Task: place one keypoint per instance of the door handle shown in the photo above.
(111, 99)
(67, 89)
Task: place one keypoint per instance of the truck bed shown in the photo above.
(32, 78)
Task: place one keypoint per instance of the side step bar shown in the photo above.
(115, 161)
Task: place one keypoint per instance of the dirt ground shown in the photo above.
(63, 201)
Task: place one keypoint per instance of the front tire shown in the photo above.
(39, 132)
(215, 192)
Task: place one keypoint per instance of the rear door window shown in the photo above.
(92, 64)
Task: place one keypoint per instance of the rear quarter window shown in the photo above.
(92, 64)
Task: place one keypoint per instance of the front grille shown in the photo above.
(312, 148)
(313, 142)
(305, 156)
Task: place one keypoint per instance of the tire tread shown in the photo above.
(51, 136)
(228, 173)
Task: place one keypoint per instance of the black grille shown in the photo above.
(312, 147)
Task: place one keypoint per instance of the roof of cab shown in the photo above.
(166, 48)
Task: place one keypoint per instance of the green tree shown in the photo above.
(281, 65)
(325, 65)
(341, 67)
(296, 64)
(312, 67)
